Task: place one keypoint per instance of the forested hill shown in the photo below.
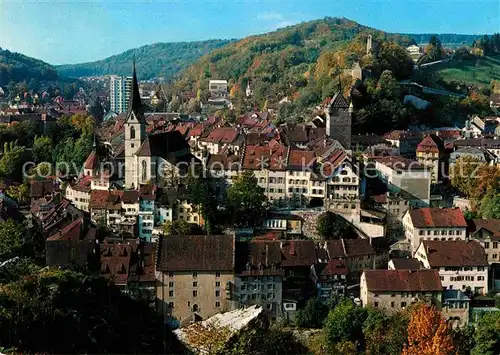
(155, 60)
(17, 67)
(447, 39)
(297, 61)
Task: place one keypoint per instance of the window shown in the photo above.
(195, 284)
(486, 245)
(170, 304)
(195, 293)
(217, 293)
(217, 304)
(480, 268)
(132, 133)
(495, 245)
(170, 274)
(393, 304)
(171, 284)
(403, 304)
(495, 256)
(217, 284)
(393, 295)
(480, 278)
(375, 304)
(170, 293)
(195, 274)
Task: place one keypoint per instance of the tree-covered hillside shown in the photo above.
(452, 40)
(297, 62)
(155, 60)
(17, 67)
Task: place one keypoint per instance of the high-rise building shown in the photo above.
(119, 93)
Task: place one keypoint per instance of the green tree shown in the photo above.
(246, 200)
(345, 322)
(385, 334)
(181, 227)
(42, 149)
(463, 338)
(332, 226)
(12, 161)
(313, 314)
(11, 239)
(387, 86)
(256, 340)
(61, 303)
(20, 193)
(202, 193)
(490, 205)
(487, 335)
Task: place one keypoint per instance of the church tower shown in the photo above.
(339, 120)
(135, 132)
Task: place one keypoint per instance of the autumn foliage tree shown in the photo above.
(428, 333)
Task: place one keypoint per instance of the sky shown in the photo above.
(75, 31)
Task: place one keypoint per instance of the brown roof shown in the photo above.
(454, 253)
(222, 135)
(492, 225)
(41, 188)
(406, 263)
(425, 280)
(334, 267)
(264, 157)
(335, 249)
(298, 253)
(429, 217)
(398, 135)
(147, 192)
(430, 144)
(259, 257)
(92, 162)
(399, 163)
(357, 247)
(197, 253)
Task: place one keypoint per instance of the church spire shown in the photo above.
(135, 104)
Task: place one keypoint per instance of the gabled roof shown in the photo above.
(338, 101)
(431, 143)
(425, 280)
(187, 253)
(454, 253)
(492, 225)
(429, 217)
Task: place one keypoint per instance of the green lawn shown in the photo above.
(479, 71)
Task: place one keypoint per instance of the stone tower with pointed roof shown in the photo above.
(135, 132)
(339, 120)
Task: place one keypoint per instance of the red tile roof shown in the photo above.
(222, 135)
(428, 145)
(300, 159)
(358, 247)
(264, 157)
(435, 217)
(334, 267)
(92, 161)
(425, 280)
(454, 253)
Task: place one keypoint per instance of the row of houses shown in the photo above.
(200, 276)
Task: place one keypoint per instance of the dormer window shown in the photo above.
(261, 266)
(249, 267)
